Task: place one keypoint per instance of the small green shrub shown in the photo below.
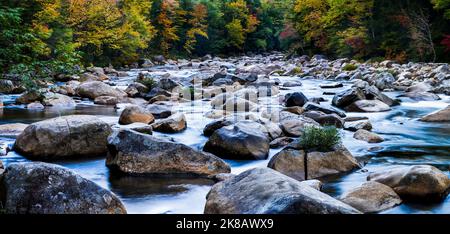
(297, 71)
(320, 138)
(350, 67)
(149, 82)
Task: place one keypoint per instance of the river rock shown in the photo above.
(159, 111)
(58, 100)
(42, 188)
(418, 182)
(12, 130)
(367, 136)
(136, 114)
(347, 97)
(315, 184)
(357, 125)
(293, 125)
(281, 142)
(295, 99)
(106, 100)
(438, 116)
(384, 80)
(64, 137)
(291, 162)
(134, 153)
(35, 106)
(368, 106)
(422, 96)
(94, 89)
(239, 141)
(310, 106)
(325, 119)
(331, 85)
(371, 197)
(265, 191)
(217, 124)
(175, 123)
(29, 97)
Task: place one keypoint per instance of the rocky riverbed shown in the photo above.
(162, 136)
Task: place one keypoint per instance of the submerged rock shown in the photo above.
(420, 182)
(134, 153)
(265, 191)
(64, 137)
(12, 130)
(371, 197)
(438, 116)
(94, 89)
(58, 100)
(42, 188)
(239, 141)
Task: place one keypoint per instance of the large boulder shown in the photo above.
(29, 97)
(371, 197)
(239, 141)
(368, 106)
(418, 182)
(159, 111)
(384, 80)
(302, 165)
(265, 191)
(94, 89)
(325, 119)
(175, 123)
(438, 116)
(422, 96)
(134, 153)
(310, 106)
(347, 97)
(42, 188)
(64, 137)
(295, 99)
(357, 125)
(136, 114)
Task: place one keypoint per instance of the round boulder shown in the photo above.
(136, 114)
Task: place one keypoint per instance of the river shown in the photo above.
(407, 142)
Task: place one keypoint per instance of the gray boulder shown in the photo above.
(134, 153)
(42, 188)
(265, 191)
(438, 116)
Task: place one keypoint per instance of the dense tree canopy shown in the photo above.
(51, 35)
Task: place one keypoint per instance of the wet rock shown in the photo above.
(213, 126)
(239, 141)
(168, 84)
(327, 110)
(159, 111)
(422, 96)
(106, 100)
(384, 80)
(94, 89)
(325, 119)
(42, 188)
(293, 125)
(281, 142)
(174, 123)
(58, 101)
(136, 114)
(64, 137)
(2, 168)
(292, 162)
(136, 89)
(295, 99)
(292, 84)
(357, 125)
(35, 106)
(134, 153)
(295, 110)
(438, 116)
(368, 106)
(315, 184)
(265, 191)
(367, 136)
(12, 130)
(29, 97)
(221, 177)
(331, 85)
(6, 86)
(371, 197)
(138, 127)
(347, 97)
(423, 183)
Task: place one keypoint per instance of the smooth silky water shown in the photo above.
(407, 142)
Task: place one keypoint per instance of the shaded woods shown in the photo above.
(42, 38)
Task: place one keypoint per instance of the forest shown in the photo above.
(40, 38)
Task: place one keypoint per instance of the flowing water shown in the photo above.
(407, 142)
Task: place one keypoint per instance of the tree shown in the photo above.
(198, 27)
(164, 23)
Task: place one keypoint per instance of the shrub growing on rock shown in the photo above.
(149, 82)
(350, 67)
(321, 139)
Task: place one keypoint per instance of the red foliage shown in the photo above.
(446, 43)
